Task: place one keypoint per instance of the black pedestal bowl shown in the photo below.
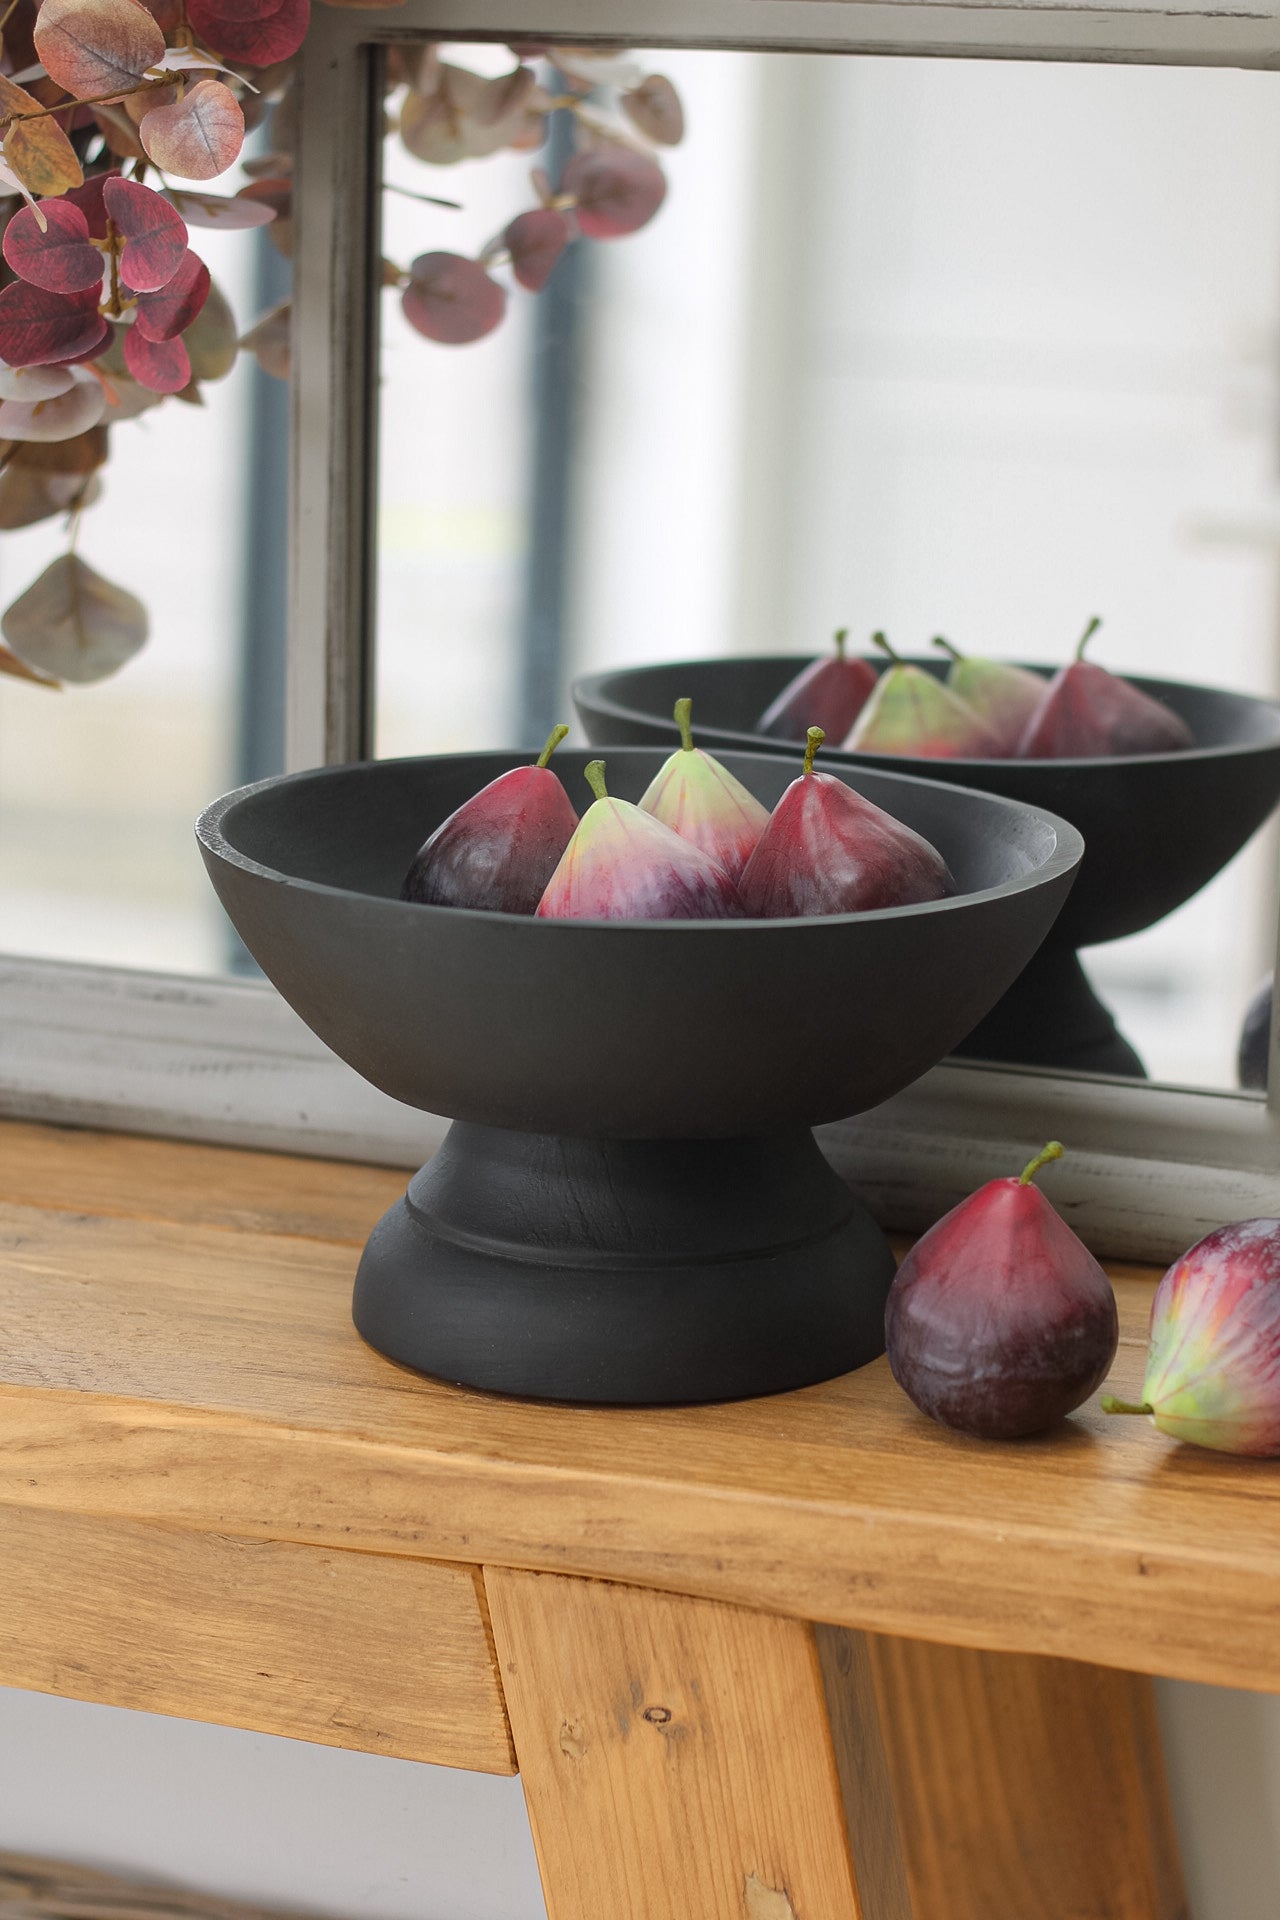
(630, 1205)
(1157, 827)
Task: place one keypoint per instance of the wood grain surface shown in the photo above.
(354, 1650)
(1026, 1787)
(677, 1759)
(166, 1368)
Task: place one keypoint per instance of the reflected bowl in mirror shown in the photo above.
(631, 1205)
(1184, 814)
(1156, 827)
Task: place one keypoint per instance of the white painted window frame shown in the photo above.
(1151, 1168)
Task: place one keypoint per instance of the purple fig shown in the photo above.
(829, 693)
(701, 801)
(500, 848)
(1002, 695)
(622, 864)
(1087, 713)
(1000, 1320)
(1213, 1363)
(827, 850)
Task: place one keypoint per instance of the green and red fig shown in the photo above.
(829, 693)
(701, 801)
(1002, 695)
(622, 864)
(1087, 713)
(1000, 1320)
(827, 850)
(912, 713)
(1213, 1362)
(500, 848)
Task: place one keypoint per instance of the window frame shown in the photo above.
(1151, 1167)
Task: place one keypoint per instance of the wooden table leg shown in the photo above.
(1027, 1788)
(685, 1760)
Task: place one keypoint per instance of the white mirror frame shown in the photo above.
(1150, 1168)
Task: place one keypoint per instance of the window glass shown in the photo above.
(100, 784)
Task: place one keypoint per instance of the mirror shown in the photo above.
(972, 348)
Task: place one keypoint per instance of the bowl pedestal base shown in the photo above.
(625, 1271)
(1052, 1017)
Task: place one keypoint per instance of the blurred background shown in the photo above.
(980, 348)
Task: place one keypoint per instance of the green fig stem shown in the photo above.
(842, 634)
(947, 647)
(1087, 635)
(684, 713)
(554, 738)
(879, 640)
(1110, 1404)
(815, 738)
(594, 772)
(1053, 1151)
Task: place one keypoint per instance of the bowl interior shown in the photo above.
(1157, 827)
(651, 1029)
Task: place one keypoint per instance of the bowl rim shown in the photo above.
(1068, 851)
(588, 685)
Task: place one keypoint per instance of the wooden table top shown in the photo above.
(176, 1346)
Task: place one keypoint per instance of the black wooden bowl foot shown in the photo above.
(1052, 1017)
(625, 1271)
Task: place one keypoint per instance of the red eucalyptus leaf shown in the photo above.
(154, 233)
(535, 241)
(167, 14)
(38, 328)
(97, 46)
(615, 190)
(164, 315)
(161, 365)
(216, 210)
(89, 199)
(268, 35)
(198, 136)
(451, 299)
(62, 258)
(237, 10)
(654, 107)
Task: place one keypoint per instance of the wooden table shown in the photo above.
(807, 1658)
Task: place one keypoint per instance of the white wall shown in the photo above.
(256, 1818)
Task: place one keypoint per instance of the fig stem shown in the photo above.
(1053, 1151)
(879, 640)
(842, 634)
(684, 720)
(554, 738)
(1087, 635)
(1110, 1404)
(814, 738)
(594, 774)
(947, 647)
